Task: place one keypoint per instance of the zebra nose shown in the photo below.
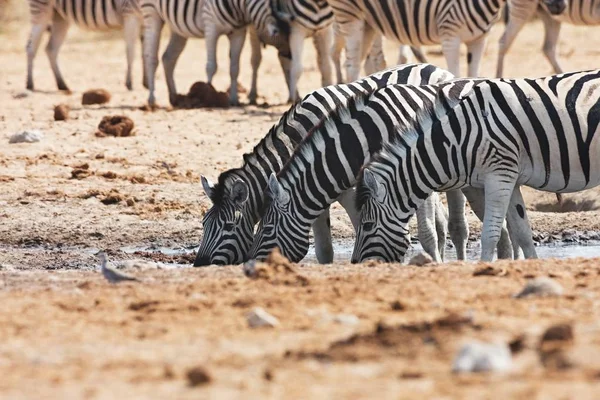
(202, 261)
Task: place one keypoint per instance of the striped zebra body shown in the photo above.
(96, 15)
(499, 134)
(239, 194)
(203, 18)
(576, 12)
(328, 162)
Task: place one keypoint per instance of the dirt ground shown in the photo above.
(65, 333)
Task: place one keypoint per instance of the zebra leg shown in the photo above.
(375, 60)
(552, 30)
(403, 56)
(144, 66)
(418, 53)
(519, 226)
(426, 227)
(323, 41)
(441, 227)
(169, 59)
(476, 198)
(510, 33)
(498, 191)
(297, 36)
(474, 53)
(348, 200)
(322, 232)
(457, 224)
(236, 44)
(451, 50)
(353, 35)
(58, 32)
(152, 27)
(131, 28)
(33, 45)
(336, 53)
(255, 59)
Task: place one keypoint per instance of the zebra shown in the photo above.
(576, 12)
(497, 135)
(91, 14)
(327, 163)
(415, 23)
(238, 196)
(198, 19)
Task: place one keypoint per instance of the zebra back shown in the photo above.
(89, 14)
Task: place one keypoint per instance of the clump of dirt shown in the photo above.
(201, 95)
(198, 376)
(490, 270)
(81, 171)
(568, 205)
(165, 258)
(109, 175)
(115, 125)
(95, 96)
(554, 346)
(61, 112)
(276, 269)
(112, 197)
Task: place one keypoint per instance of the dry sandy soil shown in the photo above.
(65, 333)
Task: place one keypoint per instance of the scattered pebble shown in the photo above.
(555, 345)
(490, 270)
(397, 305)
(541, 286)
(482, 357)
(61, 112)
(22, 95)
(258, 318)
(115, 125)
(27, 136)
(95, 96)
(198, 376)
(420, 259)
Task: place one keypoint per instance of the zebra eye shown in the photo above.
(229, 226)
(369, 226)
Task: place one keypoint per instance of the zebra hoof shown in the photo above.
(29, 86)
(129, 86)
(63, 86)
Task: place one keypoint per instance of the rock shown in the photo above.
(27, 136)
(420, 259)
(61, 112)
(198, 376)
(346, 319)
(490, 270)
(115, 125)
(555, 345)
(258, 318)
(276, 269)
(22, 95)
(541, 286)
(95, 96)
(482, 357)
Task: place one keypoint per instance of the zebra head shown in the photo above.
(380, 235)
(554, 7)
(227, 231)
(279, 227)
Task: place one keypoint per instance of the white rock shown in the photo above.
(141, 265)
(483, 357)
(27, 136)
(249, 268)
(541, 286)
(260, 318)
(346, 319)
(420, 259)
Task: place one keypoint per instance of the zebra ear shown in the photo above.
(372, 183)
(276, 191)
(239, 192)
(207, 186)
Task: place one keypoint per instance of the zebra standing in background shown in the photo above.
(543, 133)
(239, 194)
(415, 23)
(328, 161)
(89, 14)
(197, 19)
(578, 12)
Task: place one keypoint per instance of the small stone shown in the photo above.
(541, 286)
(61, 112)
(397, 305)
(198, 376)
(95, 96)
(346, 319)
(420, 259)
(22, 95)
(27, 136)
(258, 318)
(482, 357)
(489, 270)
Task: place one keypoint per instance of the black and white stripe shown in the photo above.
(495, 135)
(89, 14)
(238, 196)
(576, 12)
(328, 161)
(209, 19)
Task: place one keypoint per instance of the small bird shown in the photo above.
(112, 275)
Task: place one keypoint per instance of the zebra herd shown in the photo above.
(381, 146)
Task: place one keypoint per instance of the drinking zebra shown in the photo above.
(89, 14)
(238, 196)
(494, 135)
(415, 23)
(328, 161)
(203, 18)
(576, 12)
